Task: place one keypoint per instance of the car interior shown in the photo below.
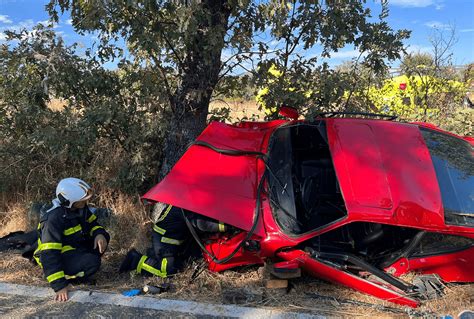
(304, 188)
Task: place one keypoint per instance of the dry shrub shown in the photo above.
(239, 109)
(129, 224)
(13, 218)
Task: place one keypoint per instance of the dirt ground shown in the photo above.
(212, 287)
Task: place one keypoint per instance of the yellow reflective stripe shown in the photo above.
(221, 227)
(164, 264)
(35, 256)
(165, 213)
(55, 276)
(39, 225)
(38, 261)
(91, 218)
(46, 246)
(94, 229)
(67, 248)
(141, 263)
(72, 230)
(171, 241)
(159, 230)
(154, 271)
(78, 275)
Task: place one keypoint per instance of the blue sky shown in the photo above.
(420, 16)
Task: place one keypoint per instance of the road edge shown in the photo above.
(168, 305)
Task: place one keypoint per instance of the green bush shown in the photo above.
(64, 115)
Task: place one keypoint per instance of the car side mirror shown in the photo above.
(289, 112)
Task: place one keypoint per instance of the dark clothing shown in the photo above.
(65, 244)
(171, 240)
(81, 263)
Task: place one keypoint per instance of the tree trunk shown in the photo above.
(200, 73)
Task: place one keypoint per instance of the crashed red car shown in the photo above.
(356, 201)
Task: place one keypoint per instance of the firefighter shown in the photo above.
(172, 243)
(70, 240)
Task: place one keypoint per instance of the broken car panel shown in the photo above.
(355, 201)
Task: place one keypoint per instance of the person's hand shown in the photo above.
(61, 295)
(101, 242)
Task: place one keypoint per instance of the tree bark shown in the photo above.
(200, 74)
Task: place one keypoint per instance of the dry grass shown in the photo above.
(129, 226)
(57, 104)
(13, 218)
(239, 109)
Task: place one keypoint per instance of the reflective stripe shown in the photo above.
(38, 261)
(78, 275)
(67, 248)
(94, 229)
(91, 218)
(171, 241)
(221, 227)
(164, 264)
(154, 271)
(141, 263)
(39, 225)
(55, 276)
(36, 256)
(159, 230)
(36, 251)
(72, 230)
(47, 246)
(165, 213)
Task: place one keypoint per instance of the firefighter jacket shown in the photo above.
(61, 230)
(173, 231)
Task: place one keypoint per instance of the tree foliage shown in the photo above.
(100, 127)
(415, 97)
(191, 46)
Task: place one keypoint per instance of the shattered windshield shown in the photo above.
(453, 161)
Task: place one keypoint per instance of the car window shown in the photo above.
(304, 190)
(453, 162)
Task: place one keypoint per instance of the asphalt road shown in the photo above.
(14, 306)
(21, 301)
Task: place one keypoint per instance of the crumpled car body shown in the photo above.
(354, 201)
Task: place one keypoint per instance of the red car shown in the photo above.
(357, 201)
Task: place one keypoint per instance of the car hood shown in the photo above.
(213, 184)
(385, 172)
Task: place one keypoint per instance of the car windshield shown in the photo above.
(304, 190)
(453, 162)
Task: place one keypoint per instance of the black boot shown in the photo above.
(131, 261)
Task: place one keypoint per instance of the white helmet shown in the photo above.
(71, 190)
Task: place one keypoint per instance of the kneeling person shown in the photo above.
(70, 240)
(171, 243)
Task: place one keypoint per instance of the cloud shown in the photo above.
(412, 3)
(26, 24)
(466, 30)
(414, 48)
(438, 4)
(3, 36)
(437, 25)
(49, 23)
(69, 21)
(5, 19)
(346, 54)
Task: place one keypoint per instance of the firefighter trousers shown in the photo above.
(80, 265)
